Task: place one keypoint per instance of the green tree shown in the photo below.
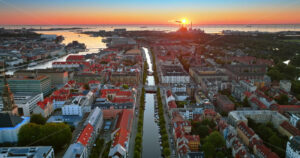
(209, 149)
(38, 119)
(275, 74)
(296, 87)
(216, 139)
(29, 133)
(53, 134)
(283, 99)
(220, 154)
(125, 86)
(246, 102)
(166, 152)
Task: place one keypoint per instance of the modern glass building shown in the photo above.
(37, 84)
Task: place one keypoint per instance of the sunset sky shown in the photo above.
(70, 12)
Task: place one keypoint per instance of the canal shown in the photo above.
(151, 136)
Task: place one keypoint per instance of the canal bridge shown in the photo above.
(150, 88)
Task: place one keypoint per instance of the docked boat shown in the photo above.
(32, 64)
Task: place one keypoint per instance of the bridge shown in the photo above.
(150, 89)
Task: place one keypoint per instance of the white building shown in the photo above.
(26, 102)
(14, 61)
(293, 147)
(77, 106)
(76, 150)
(285, 85)
(10, 126)
(248, 85)
(25, 152)
(95, 118)
(294, 119)
(174, 75)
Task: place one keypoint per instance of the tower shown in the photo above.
(8, 97)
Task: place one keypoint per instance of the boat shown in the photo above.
(32, 64)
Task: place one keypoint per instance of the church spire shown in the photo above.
(7, 96)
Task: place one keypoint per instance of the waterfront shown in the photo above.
(93, 44)
(151, 146)
(206, 28)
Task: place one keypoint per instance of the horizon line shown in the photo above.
(146, 24)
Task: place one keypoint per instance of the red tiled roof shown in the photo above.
(246, 130)
(125, 119)
(172, 104)
(122, 100)
(266, 152)
(169, 93)
(124, 126)
(247, 94)
(43, 104)
(291, 129)
(85, 134)
(94, 82)
(75, 57)
(258, 103)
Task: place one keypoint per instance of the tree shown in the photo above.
(209, 149)
(246, 102)
(52, 134)
(296, 87)
(38, 119)
(167, 152)
(203, 131)
(216, 139)
(275, 75)
(29, 133)
(220, 154)
(125, 86)
(283, 99)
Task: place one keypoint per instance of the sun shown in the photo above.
(184, 21)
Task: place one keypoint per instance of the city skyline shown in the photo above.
(32, 12)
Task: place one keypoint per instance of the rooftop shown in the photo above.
(32, 151)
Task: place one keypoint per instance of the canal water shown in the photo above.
(151, 145)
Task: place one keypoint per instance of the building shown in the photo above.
(294, 120)
(224, 103)
(288, 130)
(121, 135)
(45, 107)
(285, 85)
(25, 152)
(29, 84)
(26, 102)
(75, 58)
(293, 147)
(201, 73)
(245, 133)
(260, 116)
(10, 126)
(7, 97)
(246, 71)
(130, 78)
(69, 65)
(95, 118)
(57, 76)
(76, 150)
(285, 108)
(173, 75)
(87, 137)
(77, 106)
